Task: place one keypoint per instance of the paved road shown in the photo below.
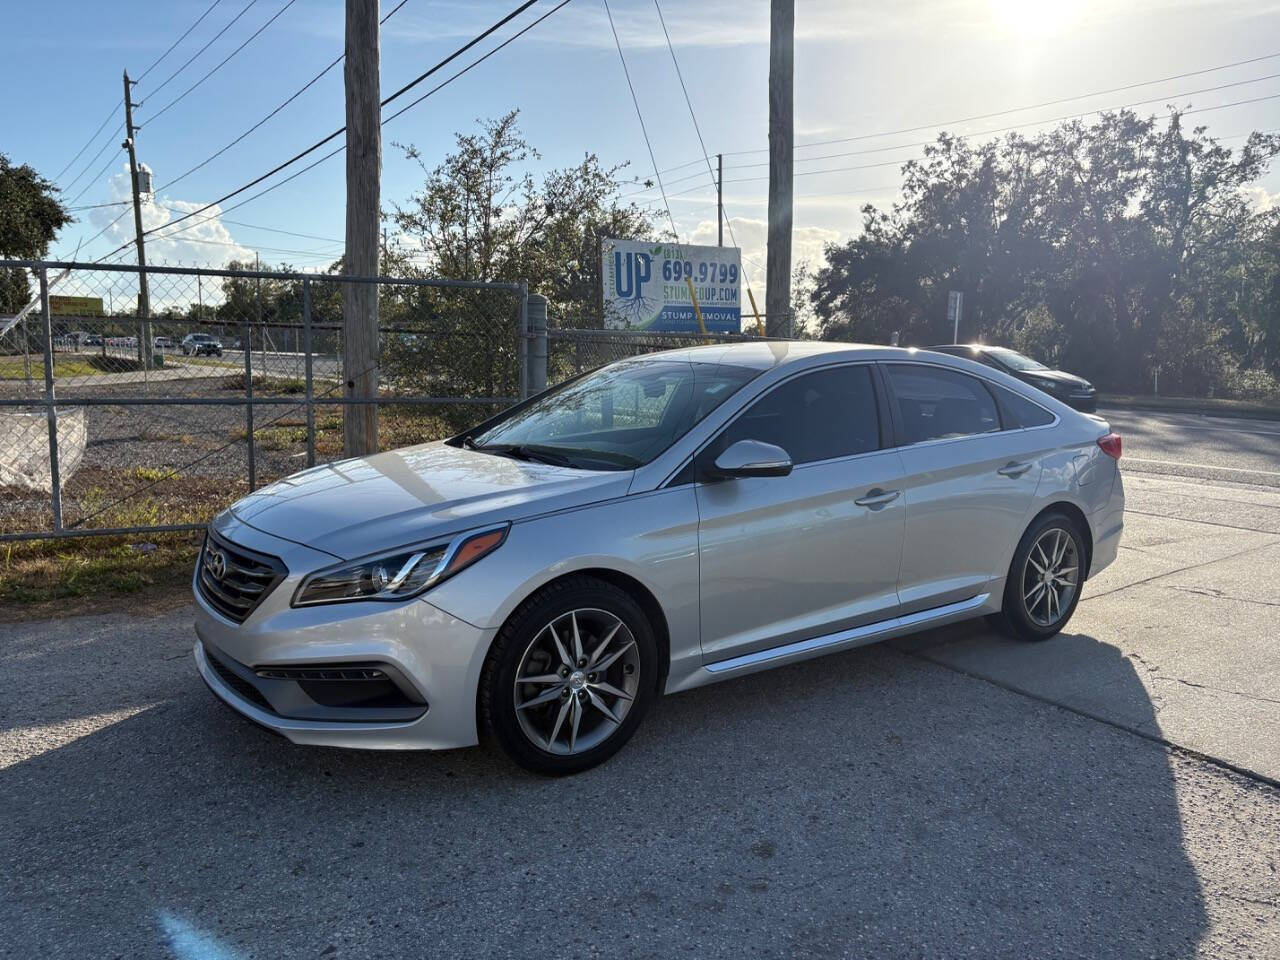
(950, 794)
(1180, 444)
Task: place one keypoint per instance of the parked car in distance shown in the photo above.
(664, 522)
(201, 344)
(162, 343)
(1074, 391)
(91, 340)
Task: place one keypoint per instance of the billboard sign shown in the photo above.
(75, 306)
(646, 286)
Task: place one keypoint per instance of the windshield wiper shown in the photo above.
(523, 451)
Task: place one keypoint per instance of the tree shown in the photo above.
(30, 218)
(1111, 248)
(480, 215)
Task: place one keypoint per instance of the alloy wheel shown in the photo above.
(577, 681)
(1050, 577)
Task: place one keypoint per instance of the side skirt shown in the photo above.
(832, 642)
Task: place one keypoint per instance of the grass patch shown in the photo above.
(111, 363)
(94, 570)
(267, 385)
(155, 474)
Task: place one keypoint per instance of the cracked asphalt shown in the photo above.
(1109, 793)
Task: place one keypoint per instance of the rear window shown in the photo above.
(937, 404)
(1018, 411)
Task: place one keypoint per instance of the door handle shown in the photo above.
(878, 498)
(1014, 469)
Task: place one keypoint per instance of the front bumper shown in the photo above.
(437, 655)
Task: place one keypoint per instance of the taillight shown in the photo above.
(1110, 445)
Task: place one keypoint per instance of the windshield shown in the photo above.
(1015, 360)
(618, 417)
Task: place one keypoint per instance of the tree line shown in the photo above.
(1114, 249)
(1120, 249)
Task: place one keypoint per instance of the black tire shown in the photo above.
(1039, 622)
(516, 640)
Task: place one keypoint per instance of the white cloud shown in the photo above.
(203, 240)
(1260, 199)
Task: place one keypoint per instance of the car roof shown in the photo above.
(764, 354)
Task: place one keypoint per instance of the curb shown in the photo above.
(1203, 408)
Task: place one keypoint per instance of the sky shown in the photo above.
(877, 78)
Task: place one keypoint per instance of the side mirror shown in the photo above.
(751, 458)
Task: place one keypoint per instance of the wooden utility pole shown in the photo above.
(719, 199)
(777, 306)
(364, 170)
(144, 300)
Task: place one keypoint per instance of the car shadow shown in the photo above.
(864, 804)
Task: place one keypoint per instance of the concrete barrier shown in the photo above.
(24, 446)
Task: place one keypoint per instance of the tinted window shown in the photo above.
(1018, 411)
(936, 403)
(816, 416)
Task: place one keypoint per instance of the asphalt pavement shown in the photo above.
(1111, 792)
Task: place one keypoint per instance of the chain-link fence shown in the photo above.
(111, 422)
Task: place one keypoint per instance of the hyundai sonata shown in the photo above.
(649, 527)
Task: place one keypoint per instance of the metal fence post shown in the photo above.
(55, 479)
(536, 352)
(524, 340)
(308, 362)
(248, 403)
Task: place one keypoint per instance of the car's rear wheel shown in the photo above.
(569, 677)
(1045, 577)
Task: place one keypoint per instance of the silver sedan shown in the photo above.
(646, 528)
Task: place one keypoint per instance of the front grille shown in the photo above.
(236, 682)
(245, 579)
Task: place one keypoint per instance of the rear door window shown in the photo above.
(937, 404)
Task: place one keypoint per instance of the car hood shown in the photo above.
(353, 508)
(1057, 376)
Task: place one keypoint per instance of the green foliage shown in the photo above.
(30, 217)
(480, 216)
(1109, 248)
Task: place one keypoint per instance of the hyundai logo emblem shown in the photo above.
(217, 564)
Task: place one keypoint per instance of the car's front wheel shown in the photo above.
(570, 676)
(1045, 577)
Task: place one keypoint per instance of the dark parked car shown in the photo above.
(1074, 391)
(201, 344)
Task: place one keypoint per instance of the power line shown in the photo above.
(640, 116)
(156, 62)
(701, 143)
(479, 60)
(1078, 116)
(1045, 103)
(167, 80)
(97, 177)
(337, 133)
(294, 96)
(93, 136)
(94, 159)
(253, 36)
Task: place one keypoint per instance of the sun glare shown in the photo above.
(1034, 18)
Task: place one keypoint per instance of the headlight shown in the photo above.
(398, 575)
(1048, 386)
